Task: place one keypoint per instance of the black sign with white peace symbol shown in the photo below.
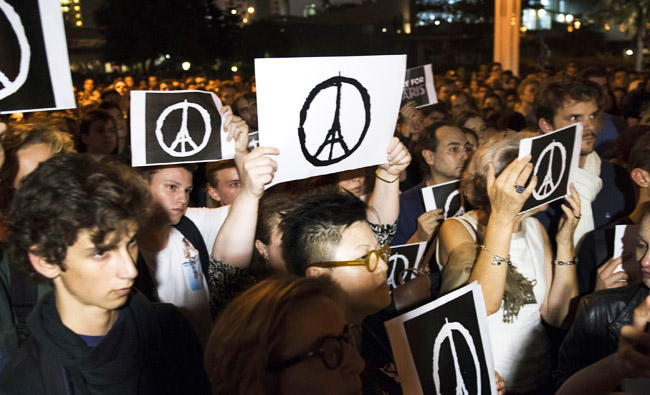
(335, 141)
(25, 81)
(447, 349)
(181, 127)
(448, 197)
(402, 257)
(551, 159)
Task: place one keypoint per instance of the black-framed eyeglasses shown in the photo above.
(371, 261)
(329, 350)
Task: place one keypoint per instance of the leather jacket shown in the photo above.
(595, 331)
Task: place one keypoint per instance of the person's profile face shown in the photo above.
(229, 185)
(101, 137)
(588, 114)
(121, 88)
(450, 156)
(367, 291)
(29, 158)
(477, 124)
(642, 250)
(459, 104)
(170, 188)
(307, 325)
(98, 277)
(353, 181)
(248, 111)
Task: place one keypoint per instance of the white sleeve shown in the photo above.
(209, 222)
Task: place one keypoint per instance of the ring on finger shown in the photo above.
(520, 188)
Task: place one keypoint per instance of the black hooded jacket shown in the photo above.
(151, 349)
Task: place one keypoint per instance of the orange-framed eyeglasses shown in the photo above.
(371, 261)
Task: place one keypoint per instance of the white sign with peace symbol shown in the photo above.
(9, 87)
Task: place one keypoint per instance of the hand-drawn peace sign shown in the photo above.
(446, 333)
(449, 201)
(334, 135)
(10, 87)
(549, 185)
(183, 136)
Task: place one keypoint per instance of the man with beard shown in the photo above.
(606, 186)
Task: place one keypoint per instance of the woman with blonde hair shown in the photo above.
(511, 257)
(285, 335)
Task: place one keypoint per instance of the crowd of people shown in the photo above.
(194, 278)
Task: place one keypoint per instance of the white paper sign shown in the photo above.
(444, 343)
(328, 114)
(625, 239)
(34, 66)
(177, 127)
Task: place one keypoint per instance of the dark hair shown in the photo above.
(466, 116)
(212, 168)
(96, 114)
(272, 207)
(313, 229)
(438, 107)
(249, 96)
(429, 141)
(633, 147)
(24, 135)
(552, 97)
(469, 131)
(67, 194)
(247, 336)
(593, 72)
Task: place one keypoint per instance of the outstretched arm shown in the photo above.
(236, 238)
(631, 360)
(384, 200)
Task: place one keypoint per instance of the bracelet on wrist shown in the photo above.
(496, 260)
(573, 261)
(383, 179)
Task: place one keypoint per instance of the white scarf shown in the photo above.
(588, 184)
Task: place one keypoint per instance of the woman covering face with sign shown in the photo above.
(510, 255)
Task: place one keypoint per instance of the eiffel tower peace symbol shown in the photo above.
(183, 145)
(336, 133)
(7, 86)
(548, 184)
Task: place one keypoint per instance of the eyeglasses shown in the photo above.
(329, 350)
(371, 261)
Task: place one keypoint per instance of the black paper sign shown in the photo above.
(419, 87)
(554, 158)
(447, 349)
(26, 79)
(447, 196)
(175, 127)
(403, 257)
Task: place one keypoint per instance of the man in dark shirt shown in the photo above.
(73, 224)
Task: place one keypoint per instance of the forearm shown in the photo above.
(236, 238)
(601, 377)
(564, 286)
(383, 206)
(492, 277)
